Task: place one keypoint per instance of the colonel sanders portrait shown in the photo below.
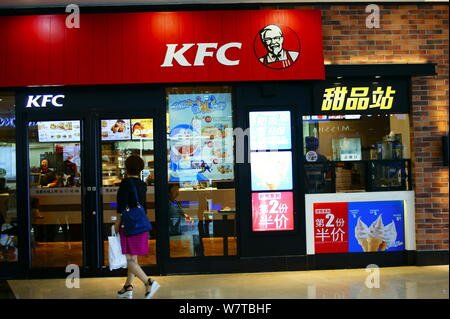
(277, 57)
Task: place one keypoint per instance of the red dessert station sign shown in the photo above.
(161, 47)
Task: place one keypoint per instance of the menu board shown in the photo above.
(271, 171)
(141, 129)
(58, 131)
(116, 130)
(270, 130)
(272, 211)
(200, 137)
(359, 226)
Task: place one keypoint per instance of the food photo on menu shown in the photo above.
(142, 128)
(117, 129)
(59, 131)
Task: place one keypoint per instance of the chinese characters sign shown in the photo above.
(357, 98)
(346, 97)
(272, 211)
(270, 130)
(330, 227)
(359, 226)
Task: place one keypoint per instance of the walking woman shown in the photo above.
(137, 245)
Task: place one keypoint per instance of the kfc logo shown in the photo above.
(276, 46)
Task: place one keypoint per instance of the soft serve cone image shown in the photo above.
(361, 234)
(270, 168)
(390, 235)
(376, 234)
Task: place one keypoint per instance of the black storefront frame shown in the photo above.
(243, 262)
(89, 114)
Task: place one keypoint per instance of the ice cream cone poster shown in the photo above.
(271, 171)
(272, 211)
(331, 227)
(376, 226)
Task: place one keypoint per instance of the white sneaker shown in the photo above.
(153, 289)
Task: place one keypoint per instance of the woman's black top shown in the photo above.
(126, 197)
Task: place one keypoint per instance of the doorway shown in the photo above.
(75, 166)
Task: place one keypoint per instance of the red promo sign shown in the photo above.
(161, 47)
(272, 211)
(330, 227)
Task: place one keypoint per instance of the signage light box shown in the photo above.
(58, 131)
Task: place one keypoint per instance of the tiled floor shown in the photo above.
(429, 282)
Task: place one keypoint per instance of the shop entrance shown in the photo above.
(75, 165)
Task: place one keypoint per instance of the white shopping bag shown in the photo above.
(116, 258)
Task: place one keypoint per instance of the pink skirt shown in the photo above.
(133, 245)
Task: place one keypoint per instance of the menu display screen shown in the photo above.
(116, 130)
(270, 130)
(58, 131)
(141, 129)
(271, 171)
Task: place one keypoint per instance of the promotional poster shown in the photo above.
(359, 226)
(272, 211)
(270, 130)
(271, 171)
(376, 226)
(201, 139)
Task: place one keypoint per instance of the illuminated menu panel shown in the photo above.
(116, 130)
(270, 130)
(272, 211)
(271, 170)
(58, 131)
(141, 129)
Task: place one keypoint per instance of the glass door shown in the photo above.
(55, 180)
(120, 138)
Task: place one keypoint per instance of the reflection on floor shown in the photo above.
(61, 254)
(429, 282)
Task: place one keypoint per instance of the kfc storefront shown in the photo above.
(282, 163)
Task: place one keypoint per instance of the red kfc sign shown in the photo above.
(162, 47)
(272, 211)
(330, 227)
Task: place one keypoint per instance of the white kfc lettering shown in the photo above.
(202, 52)
(43, 100)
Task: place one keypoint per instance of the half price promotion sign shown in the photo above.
(272, 211)
(331, 227)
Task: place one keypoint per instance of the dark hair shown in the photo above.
(134, 164)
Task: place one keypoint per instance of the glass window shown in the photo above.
(120, 139)
(8, 209)
(348, 153)
(55, 191)
(200, 150)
